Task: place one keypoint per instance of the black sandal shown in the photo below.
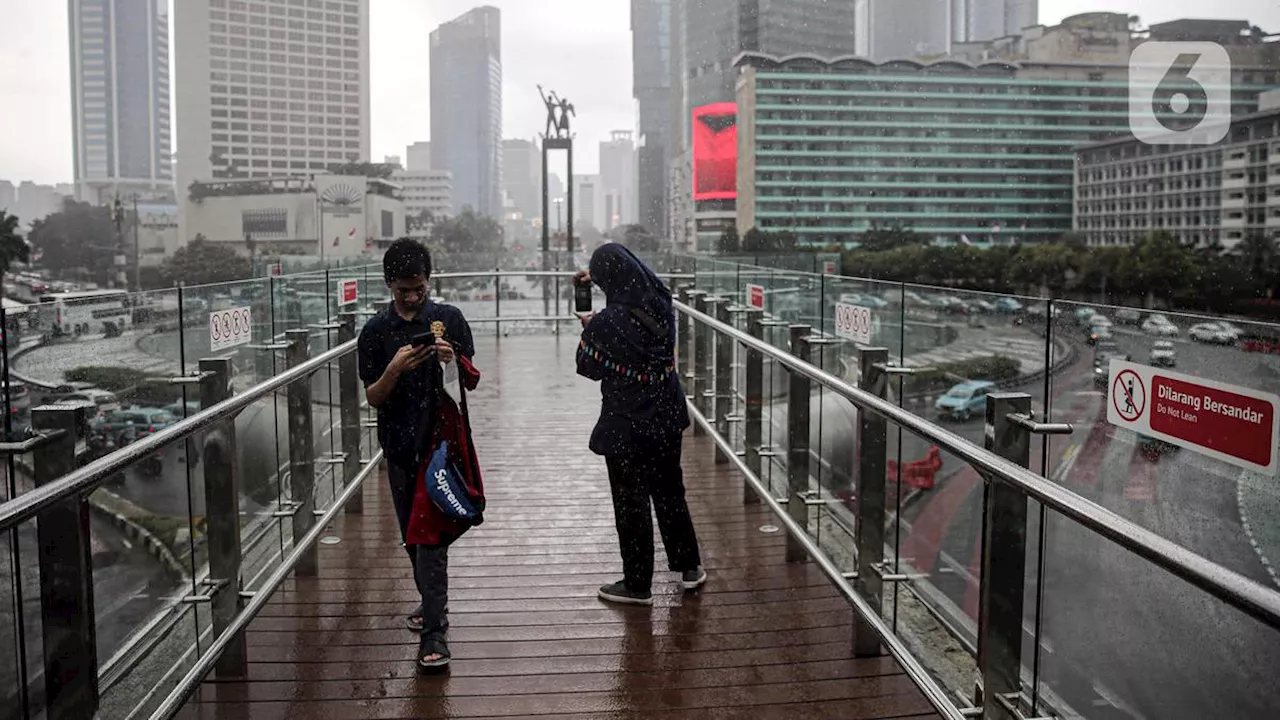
(432, 645)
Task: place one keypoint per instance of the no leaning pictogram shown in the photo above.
(1129, 395)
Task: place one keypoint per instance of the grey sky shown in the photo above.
(580, 48)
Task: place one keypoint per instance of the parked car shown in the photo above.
(1008, 305)
(58, 392)
(1128, 316)
(1163, 354)
(964, 400)
(104, 401)
(1211, 332)
(982, 307)
(867, 300)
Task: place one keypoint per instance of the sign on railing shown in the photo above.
(755, 296)
(853, 322)
(229, 328)
(1234, 424)
(348, 291)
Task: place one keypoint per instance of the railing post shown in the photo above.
(302, 460)
(753, 414)
(66, 571)
(873, 448)
(684, 339)
(222, 513)
(701, 358)
(349, 409)
(1004, 560)
(798, 442)
(497, 308)
(706, 396)
(724, 377)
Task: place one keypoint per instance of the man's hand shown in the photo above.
(408, 358)
(444, 350)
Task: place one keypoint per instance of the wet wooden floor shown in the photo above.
(763, 639)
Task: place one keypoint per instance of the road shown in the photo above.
(1117, 633)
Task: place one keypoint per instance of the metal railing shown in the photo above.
(707, 334)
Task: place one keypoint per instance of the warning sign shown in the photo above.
(1233, 424)
(348, 291)
(755, 296)
(853, 322)
(229, 328)
(829, 267)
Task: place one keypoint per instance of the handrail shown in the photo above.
(86, 479)
(934, 693)
(1238, 591)
(177, 698)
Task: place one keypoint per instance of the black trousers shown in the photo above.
(430, 564)
(651, 472)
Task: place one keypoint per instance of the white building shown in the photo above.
(268, 88)
(618, 195)
(320, 215)
(120, 98)
(417, 157)
(429, 191)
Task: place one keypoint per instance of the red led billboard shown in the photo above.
(715, 152)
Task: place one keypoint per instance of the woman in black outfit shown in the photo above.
(629, 346)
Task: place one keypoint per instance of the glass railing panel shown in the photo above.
(13, 669)
(1121, 637)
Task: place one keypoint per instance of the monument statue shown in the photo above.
(557, 127)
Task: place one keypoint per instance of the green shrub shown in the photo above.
(131, 385)
(996, 368)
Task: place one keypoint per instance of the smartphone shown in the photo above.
(426, 338)
(582, 298)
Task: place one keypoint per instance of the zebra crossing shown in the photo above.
(1030, 351)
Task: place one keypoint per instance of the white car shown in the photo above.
(1211, 332)
(1163, 354)
(1159, 325)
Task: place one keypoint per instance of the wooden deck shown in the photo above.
(763, 639)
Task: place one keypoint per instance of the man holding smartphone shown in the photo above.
(400, 350)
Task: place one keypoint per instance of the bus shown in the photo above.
(87, 312)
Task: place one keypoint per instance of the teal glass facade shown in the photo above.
(951, 150)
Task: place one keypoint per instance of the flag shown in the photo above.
(336, 238)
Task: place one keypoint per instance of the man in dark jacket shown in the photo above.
(402, 381)
(629, 347)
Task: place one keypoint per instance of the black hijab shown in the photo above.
(625, 336)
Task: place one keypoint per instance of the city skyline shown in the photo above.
(34, 69)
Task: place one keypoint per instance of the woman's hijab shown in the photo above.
(629, 285)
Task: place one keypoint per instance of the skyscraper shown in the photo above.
(270, 87)
(466, 108)
(618, 180)
(980, 20)
(901, 29)
(651, 87)
(120, 97)
(522, 177)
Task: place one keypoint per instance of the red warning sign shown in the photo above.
(755, 296)
(1234, 424)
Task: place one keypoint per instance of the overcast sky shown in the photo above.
(580, 48)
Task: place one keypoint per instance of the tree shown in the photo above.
(202, 262)
(763, 241)
(637, 238)
(467, 232)
(80, 237)
(368, 169)
(1043, 266)
(1163, 264)
(889, 236)
(12, 247)
(729, 242)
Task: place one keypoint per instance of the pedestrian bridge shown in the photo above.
(865, 559)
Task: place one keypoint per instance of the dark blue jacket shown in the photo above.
(629, 347)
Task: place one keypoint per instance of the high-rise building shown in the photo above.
(120, 98)
(270, 88)
(905, 29)
(978, 20)
(8, 197)
(983, 152)
(618, 180)
(522, 177)
(424, 191)
(706, 37)
(651, 87)
(466, 108)
(417, 157)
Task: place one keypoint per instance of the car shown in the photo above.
(1082, 315)
(1098, 333)
(1008, 305)
(1163, 354)
(982, 307)
(104, 401)
(867, 301)
(1128, 316)
(1158, 324)
(126, 426)
(962, 401)
(1212, 333)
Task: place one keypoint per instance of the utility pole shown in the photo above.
(137, 252)
(117, 215)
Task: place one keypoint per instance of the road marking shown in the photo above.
(1248, 529)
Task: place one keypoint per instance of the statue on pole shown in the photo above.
(556, 127)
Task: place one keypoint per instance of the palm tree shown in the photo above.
(13, 248)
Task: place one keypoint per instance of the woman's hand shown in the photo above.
(586, 318)
(582, 277)
(444, 350)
